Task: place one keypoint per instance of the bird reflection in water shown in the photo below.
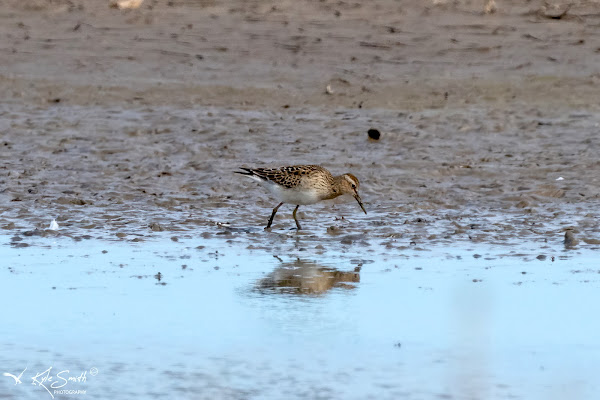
(305, 277)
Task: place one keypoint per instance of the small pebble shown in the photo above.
(570, 239)
(374, 134)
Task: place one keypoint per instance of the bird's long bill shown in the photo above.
(357, 197)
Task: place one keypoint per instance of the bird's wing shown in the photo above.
(288, 177)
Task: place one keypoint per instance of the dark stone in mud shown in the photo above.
(374, 134)
(174, 239)
(541, 257)
(476, 255)
(10, 225)
(570, 239)
(156, 227)
(19, 244)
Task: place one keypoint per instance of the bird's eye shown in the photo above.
(353, 186)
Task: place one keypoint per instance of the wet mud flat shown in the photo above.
(125, 174)
(472, 276)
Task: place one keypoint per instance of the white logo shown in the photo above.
(56, 384)
(16, 378)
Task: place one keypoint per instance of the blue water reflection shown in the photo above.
(229, 322)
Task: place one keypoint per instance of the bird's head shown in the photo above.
(349, 185)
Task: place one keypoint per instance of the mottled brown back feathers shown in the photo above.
(291, 176)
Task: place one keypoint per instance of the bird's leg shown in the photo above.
(296, 219)
(273, 215)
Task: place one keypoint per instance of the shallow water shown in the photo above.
(225, 321)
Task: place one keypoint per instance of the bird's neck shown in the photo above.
(336, 188)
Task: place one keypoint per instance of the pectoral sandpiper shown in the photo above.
(303, 185)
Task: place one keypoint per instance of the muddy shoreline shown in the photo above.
(134, 120)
